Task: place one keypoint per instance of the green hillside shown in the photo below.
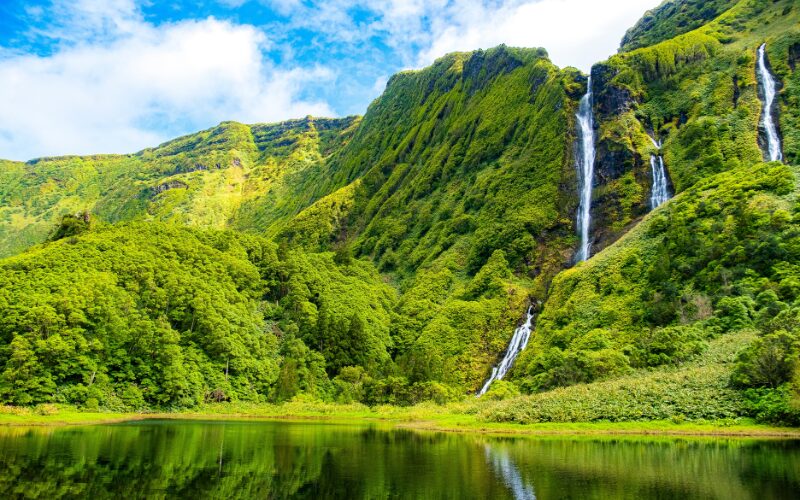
(388, 258)
(721, 256)
(670, 19)
(234, 175)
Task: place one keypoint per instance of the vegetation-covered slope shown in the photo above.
(250, 177)
(698, 94)
(699, 389)
(247, 258)
(454, 164)
(719, 257)
(471, 155)
(465, 167)
(670, 19)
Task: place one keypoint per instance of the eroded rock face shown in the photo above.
(621, 175)
(794, 55)
(613, 161)
(609, 100)
(174, 184)
(612, 158)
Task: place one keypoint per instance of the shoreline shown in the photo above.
(447, 422)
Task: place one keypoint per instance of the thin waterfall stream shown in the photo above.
(659, 192)
(522, 334)
(768, 85)
(586, 169)
(519, 341)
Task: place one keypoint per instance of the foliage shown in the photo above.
(698, 390)
(72, 225)
(770, 361)
(710, 261)
(501, 389)
(157, 315)
(387, 259)
(670, 19)
(773, 406)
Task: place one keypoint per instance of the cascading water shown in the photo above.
(586, 128)
(768, 84)
(519, 341)
(660, 190)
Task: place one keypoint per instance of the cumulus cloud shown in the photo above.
(116, 82)
(142, 86)
(574, 32)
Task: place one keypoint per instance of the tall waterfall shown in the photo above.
(768, 83)
(586, 126)
(519, 341)
(660, 190)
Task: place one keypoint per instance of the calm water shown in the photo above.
(156, 459)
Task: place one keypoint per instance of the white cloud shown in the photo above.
(145, 86)
(574, 32)
(117, 83)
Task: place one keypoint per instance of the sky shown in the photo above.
(116, 76)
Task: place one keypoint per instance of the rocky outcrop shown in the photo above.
(166, 186)
(609, 99)
(613, 159)
(794, 55)
(621, 175)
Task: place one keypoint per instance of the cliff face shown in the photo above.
(622, 178)
(673, 274)
(697, 92)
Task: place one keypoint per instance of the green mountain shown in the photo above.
(388, 259)
(248, 177)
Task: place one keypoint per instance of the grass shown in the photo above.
(694, 391)
(455, 417)
(483, 415)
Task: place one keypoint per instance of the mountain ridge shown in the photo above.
(454, 199)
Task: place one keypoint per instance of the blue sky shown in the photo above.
(115, 76)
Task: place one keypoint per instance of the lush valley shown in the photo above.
(386, 259)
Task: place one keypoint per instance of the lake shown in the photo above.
(257, 459)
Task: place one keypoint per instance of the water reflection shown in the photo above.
(288, 460)
(502, 464)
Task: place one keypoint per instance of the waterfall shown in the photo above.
(660, 190)
(519, 341)
(586, 168)
(768, 83)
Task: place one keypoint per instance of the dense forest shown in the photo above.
(387, 259)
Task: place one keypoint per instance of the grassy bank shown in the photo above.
(687, 400)
(459, 417)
